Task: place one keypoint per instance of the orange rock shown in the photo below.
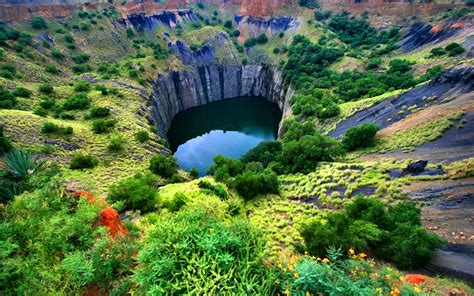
(416, 278)
(110, 218)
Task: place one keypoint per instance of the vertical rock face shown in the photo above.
(200, 85)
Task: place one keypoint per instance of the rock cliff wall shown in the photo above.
(200, 85)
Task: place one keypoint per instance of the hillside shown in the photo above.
(373, 156)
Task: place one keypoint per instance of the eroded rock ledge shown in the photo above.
(200, 85)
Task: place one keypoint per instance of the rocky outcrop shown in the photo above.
(253, 25)
(200, 85)
(148, 23)
(450, 83)
(424, 33)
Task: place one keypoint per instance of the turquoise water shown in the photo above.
(229, 127)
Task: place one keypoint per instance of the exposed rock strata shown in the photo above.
(200, 85)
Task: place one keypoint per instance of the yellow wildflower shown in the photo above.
(296, 275)
(395, 292)
(351, 251)
(380, 291)
(326, 260)
(287, 292)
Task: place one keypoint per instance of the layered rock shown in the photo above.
(200, 85)
(251, 26)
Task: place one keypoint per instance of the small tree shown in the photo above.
(360, 136)
(163, 166)
(38, 22)
(83, 161)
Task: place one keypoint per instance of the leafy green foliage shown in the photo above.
(217, 190)
(214, 255)
(136, 193)
(264, 153)
(251, 184)
(21, 92)
(16, 174)
(46, 88)
(360, 136)
(82, 86)
(38, 22)
(52, 128)
(163, 166)
(358, 32)
(304, 154)
(99, 112)
(225, 168)
(395, 234)
(78, 101)
(454, 49)
(102, 126)
(116, 144)
(142, 136)
(83, 161)
(7, 99)
(5, 144)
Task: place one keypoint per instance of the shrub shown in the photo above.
(224, 168)
(136, 193)
(99, 112)
(262, 38)
(395, 234)
(226, 254)
(116, 143)
(38, 22)
(5, 144)
(81, 58)
(163, 166)
(194, 173)
(438, 51)
(46, 89)
(83, 161)
(250, 42)
(79, 69)
(7, 99)
(79, 101)
(177, 202)
(142, 136)
(217, 190)
(40, 111)
(68, 38)
(303, 155)
(51, 128)
(57, 54)
(454, 49)
(101, 126)
(265, 153)
(21, 92)
(50, 68)
(82, 86)
(360, 136)
(47, 103)
(251, 184)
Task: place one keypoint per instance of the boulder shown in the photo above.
(415, 168)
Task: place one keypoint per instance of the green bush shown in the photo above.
(83, 161)
(142, 136)
(304, 154)
(7, 99)
(99, 112)
(251, 184)
(438, 51)
(265, 153)
(82, 86)
(163, 166)
(81, 58)
(194, 173)
(262, 38)
(5, 144)
(360, 136)
(225, 168)
(454, 49)
(79, 101)
(50, 68)
(57, 54)
(102, 126)
(40, 111)
(136, 193)
(225, 254)
(177, 202)
(116, 144)
(21, 92)
(38, 22)
(47, 103)
(395, 234)
(217, 190)
(51, 128)
(46, 89)
(68, 38)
